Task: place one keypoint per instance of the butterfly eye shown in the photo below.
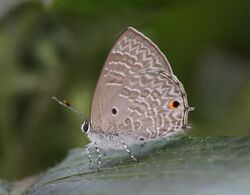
(173, 104)
(85, 127)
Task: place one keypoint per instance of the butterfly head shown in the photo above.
(86, 127)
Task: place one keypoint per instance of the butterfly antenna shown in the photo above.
(67, 105)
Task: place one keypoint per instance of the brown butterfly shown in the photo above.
(137, 97)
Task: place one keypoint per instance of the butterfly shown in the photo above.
(137, 97)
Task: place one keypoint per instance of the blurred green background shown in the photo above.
(58, 47)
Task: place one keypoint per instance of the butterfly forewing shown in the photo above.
(134, 90)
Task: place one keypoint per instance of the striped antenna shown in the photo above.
(68, 106)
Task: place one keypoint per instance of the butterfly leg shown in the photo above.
(99, 162)
(128, 151)
(90, 157)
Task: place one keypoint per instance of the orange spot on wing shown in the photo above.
(171, 104)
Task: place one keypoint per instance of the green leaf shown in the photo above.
(189, 165)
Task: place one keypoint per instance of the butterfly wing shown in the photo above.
(155, 105)
(132, 56)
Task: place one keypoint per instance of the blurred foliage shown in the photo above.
(58, 48)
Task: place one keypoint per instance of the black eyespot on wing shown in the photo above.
(141, 138)
(114, 111)
(176, 104)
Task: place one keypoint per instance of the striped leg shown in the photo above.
(99, 162)
(127, 150)
(90, 158)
